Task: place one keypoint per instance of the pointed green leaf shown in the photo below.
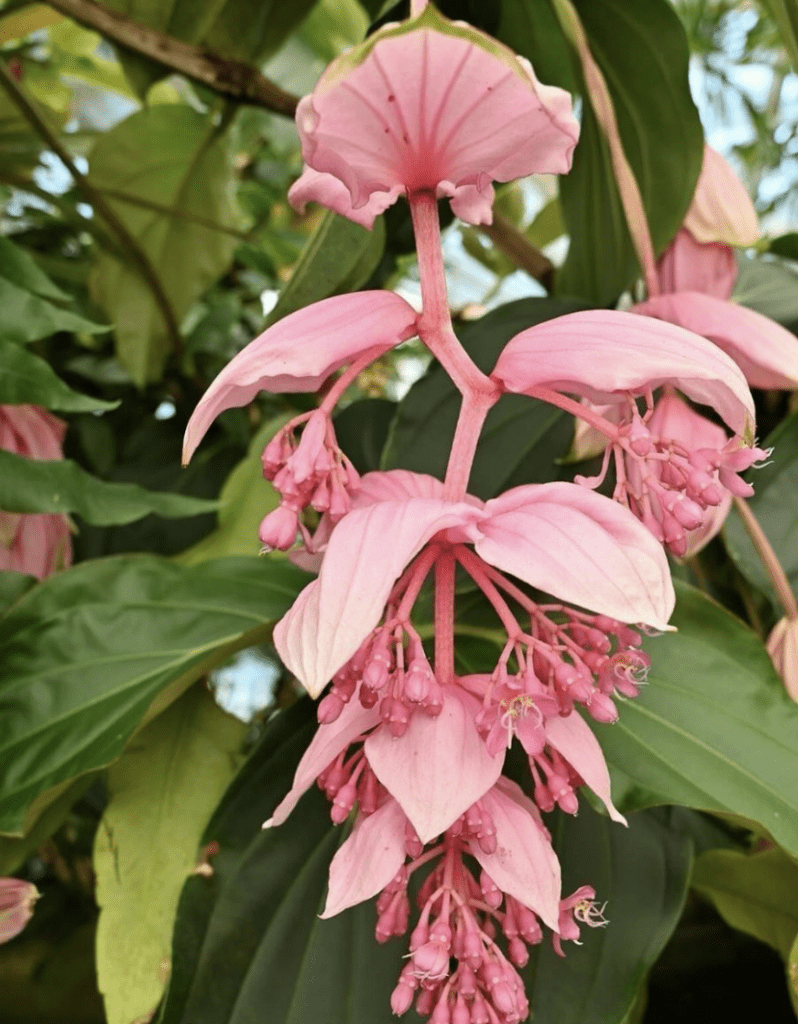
(20, 268)
(162, 792)
(27, 379)
(92, 652)
(28, 485)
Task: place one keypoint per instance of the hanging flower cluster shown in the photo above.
(411, 750)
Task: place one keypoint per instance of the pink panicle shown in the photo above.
(415, 109)
(33, 543)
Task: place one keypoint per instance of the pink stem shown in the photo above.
(417, 7)
(444, 617)
(475, 568)
(768, 557)
(584, 412)
(350, 373)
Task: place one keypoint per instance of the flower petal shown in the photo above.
(524, 863)
(766, 352)
(368, 860)
(395, 485)
(316, 187)
(691, 266)
(300, 351)
(16, 906)
(575, 740)
(579, 547)
(602, 352)
(367, 552)
(721, 210)
(439, 768)
(326, 745)
(428, 102)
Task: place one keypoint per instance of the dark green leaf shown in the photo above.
(362, 430)
(531, 28)
(12, 586)
(768, 286)
(642, 50)
(785, 246)
(339, 257)
(20, 268)
(27, 379)
(643, 873)
(92, 652)
(267, 889)
(522, 439)
(28, 317)
(27, 485)
(774, 505)
(713, 729)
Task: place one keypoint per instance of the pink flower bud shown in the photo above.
(16, 906)
(278, 530)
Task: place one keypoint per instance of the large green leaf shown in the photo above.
(28, 485)
(531, 28)
(18, 267)
(176, 158)
(774, 505)
(713, 729)
(267, 890)
(768, 286)
(162, 792)
(643, 873)
(755, 893)
(339, 257)
(27, 379)
(522, 439)
(92, 652)
(642, 51)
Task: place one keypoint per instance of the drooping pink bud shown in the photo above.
(16, 906)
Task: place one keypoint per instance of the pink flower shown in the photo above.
(36, 544)
(16, 906)
(428, 105)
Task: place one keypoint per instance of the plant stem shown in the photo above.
(769, 559)
(444, 617)
(136, 254)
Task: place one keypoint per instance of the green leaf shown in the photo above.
(642, 872)
(713, 729)
(249, 33)
(19, 267)
(768, 286)
(785, 246)
(756, 893)
(244, 500)
(28, 485)
(267, 890)
(547, 226)
(642, 50)
(339, 257)
(12, 586)
(792, 975)
(531, 28)
(162, 792)
(362, 430)
(27, 379)
(27, 317)
(522, 439)
(174, 157)
(773, 504)
(93, 652)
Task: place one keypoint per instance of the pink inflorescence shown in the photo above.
(310, 472)
(668, 484)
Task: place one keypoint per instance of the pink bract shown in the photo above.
(301, 351)
(783, 649)
(16, 906)
(765, 351)
(721, 210)
(691, 266)
(33, 543)
(601, 353)
(429, 106)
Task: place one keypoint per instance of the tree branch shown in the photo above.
(519, 250)
(231, 78)
(133, 250)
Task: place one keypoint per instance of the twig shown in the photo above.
(231, 78)
(519, 250)
(132, 248)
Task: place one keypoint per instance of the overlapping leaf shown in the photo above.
(27, 379)
(92, 652)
